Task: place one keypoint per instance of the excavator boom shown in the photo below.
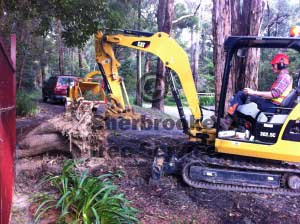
(159, 44)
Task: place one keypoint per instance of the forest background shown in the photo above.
(55, 37)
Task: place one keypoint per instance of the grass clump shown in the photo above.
(26, 103)
(85, 199)
(207, 100)
(169, 100)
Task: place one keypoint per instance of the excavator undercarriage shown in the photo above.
(201, 167)
(235, 173)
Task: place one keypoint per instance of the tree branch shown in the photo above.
(176, 21)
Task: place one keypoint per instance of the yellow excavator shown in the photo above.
(265, 158)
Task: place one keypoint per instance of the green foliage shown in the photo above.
(203, 100)
(128, 71)
(294, 67)
(131, 99)
(85, 199)
(279, 16)
(181, 10)
(26, 103)
(37, 29)
(169, 100)
(80, 19)
(207, 100)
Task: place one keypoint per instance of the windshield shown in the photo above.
(66, 81)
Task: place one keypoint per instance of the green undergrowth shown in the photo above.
(26, 103)
(207, 100)
(81, 198)
(169, 100)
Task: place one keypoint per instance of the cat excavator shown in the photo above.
(262, 156)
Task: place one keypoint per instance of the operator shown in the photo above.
(265, 100)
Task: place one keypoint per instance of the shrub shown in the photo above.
(169, 101)
(85, 199)
(26, 103)
(204, 101)
(207, 100)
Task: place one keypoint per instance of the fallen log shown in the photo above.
(81, 137)
(38, 144)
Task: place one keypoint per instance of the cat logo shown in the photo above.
(141, 44)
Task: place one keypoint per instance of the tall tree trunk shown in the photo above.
(37, 79)
(72, 60)
(43, 72)
(246, 21)
(61, 48)
(195, 54)
(147, 63)
(242, 18)
(80, 61)
(195, 48)
(221, 30)
(253, 56)
(21, 72)
(164, 21)
(138, 96)
(202, 48)
(43, 63)
(24, 40)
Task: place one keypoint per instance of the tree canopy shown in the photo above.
(51, 32)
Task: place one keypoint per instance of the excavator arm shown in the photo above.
(159, 44)
(164, 47)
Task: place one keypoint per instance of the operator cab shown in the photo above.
(251, 124)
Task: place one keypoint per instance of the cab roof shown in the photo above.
(237, 42)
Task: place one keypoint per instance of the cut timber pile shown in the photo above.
(77, 131)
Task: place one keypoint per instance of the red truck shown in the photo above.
(56, 87)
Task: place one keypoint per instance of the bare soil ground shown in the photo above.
(170, 201)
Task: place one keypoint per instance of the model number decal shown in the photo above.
(267, 134)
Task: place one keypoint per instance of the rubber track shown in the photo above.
(229, 163)
(235, 188)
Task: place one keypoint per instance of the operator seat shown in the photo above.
(251, 110)
(289, 100)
